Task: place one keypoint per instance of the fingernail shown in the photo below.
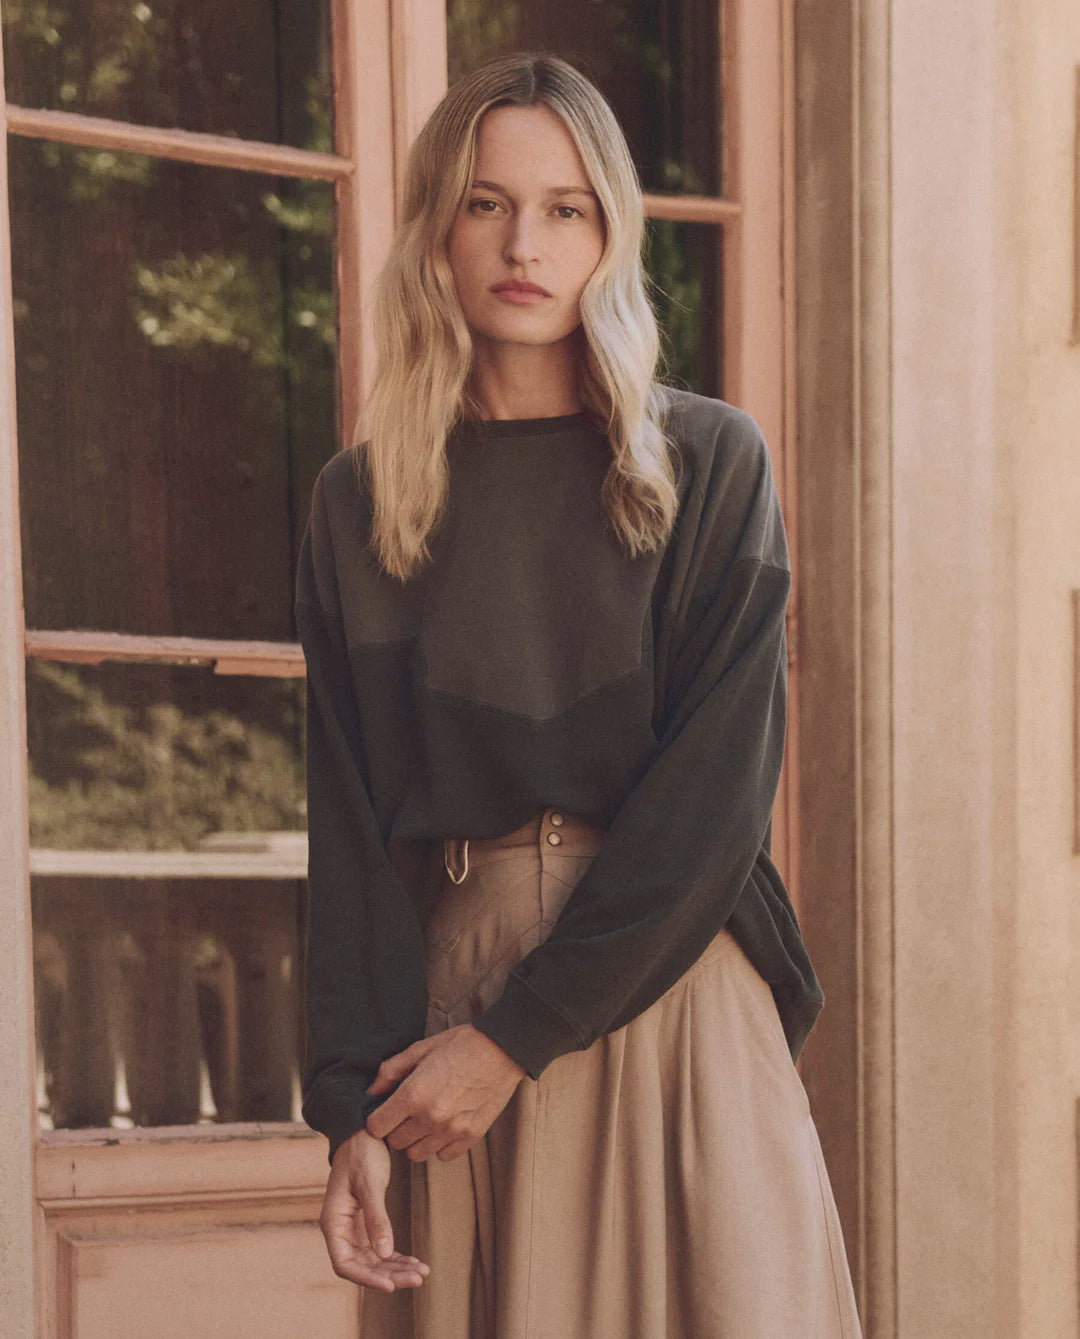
(384, 1246)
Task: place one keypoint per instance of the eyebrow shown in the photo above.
(555, 190)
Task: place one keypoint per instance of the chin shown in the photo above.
(526, 331)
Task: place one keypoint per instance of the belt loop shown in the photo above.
(447, 843)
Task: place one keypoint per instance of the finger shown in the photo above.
(449, 1152)
(408, 1132)
(380, 1232)
(386, 1275)
(343, 1243)
(389, 1115)
(355, 1258)
(397, 1272)
(338, 1220)
(433, 1143)
(395, 1067)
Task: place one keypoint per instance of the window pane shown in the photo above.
(138, 757)
(260, 71)
(685, 262)
(167, 1002)
(175, 340)
(168, 851)
(657, 64)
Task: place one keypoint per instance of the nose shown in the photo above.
(522, 244)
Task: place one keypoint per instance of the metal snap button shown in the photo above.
(554, 838)
(556, 820)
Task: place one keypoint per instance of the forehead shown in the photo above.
(527, 146)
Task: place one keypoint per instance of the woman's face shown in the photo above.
(530, 215)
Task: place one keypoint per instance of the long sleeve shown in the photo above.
(365, 991)
(683, 845)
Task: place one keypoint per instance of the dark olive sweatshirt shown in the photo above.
(533, 663)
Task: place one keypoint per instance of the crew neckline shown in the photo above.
(524, 427)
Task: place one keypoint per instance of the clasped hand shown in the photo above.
(451, 1087)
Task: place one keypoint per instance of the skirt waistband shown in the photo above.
(552, 828)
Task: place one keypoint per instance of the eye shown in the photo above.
(573, 210)
(473, 204)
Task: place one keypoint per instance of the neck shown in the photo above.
(526, 381)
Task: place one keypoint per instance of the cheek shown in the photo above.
(457, 255)
(464, 250)
(589, 257)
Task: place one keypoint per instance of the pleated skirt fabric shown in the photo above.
(665, 1183)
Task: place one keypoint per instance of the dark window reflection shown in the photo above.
(175, 337)
(657, 64)
(256, 70)
(167, 1001)
(133, 757)
(685, 264)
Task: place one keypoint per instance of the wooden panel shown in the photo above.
(171, 1163)
(201, 1232)
(265, 1279)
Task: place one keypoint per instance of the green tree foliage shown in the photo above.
(116, 763)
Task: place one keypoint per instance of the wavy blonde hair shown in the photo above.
(424, 362)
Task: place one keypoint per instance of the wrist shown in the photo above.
(505, 1059)
(355, 1145)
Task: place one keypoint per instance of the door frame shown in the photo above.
(18, 1105)
(372, 115)
(844, 377)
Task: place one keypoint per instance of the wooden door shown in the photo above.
(197, 202)
(184, 213)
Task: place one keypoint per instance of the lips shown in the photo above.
(519, 286)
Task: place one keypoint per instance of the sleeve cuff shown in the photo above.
(528, 1028)
(339, 1111)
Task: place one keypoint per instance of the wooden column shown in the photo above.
(18, 1118)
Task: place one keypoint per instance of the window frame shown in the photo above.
(388, 60)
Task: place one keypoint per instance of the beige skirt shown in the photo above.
(665, 1183)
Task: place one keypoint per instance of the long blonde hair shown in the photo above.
(424, 349)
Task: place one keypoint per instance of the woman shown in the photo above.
(555, 984)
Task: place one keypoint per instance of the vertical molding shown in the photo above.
(874, 855)
(844, 407)
(961, 330)
(754, 67)
(732, 175)
(364, 134)
(1076, 209)
(18, 1108)
(789, 483)
(1076, 720)
(1076, 1135)
(418, 62)
(758, 316)
(389, 72)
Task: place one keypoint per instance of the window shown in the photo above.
(199, 199)
(172, 206)
(660, 68)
